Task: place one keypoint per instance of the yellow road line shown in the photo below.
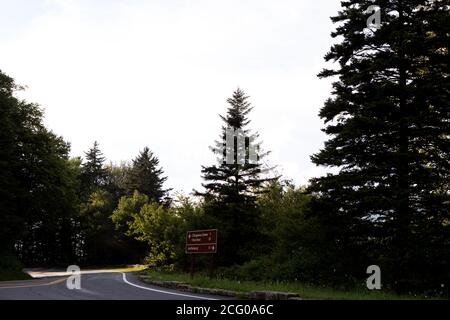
(64, 279)
(35, 285)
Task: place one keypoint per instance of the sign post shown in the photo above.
(200, 241)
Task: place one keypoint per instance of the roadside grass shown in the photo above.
(11, 269)
(129, 269)
(6, 275)
(305, 291)
(119, 268)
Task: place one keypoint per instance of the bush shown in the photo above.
(259, 269)
(11, 269)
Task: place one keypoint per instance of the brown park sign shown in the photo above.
(201, 248)
(201, 241)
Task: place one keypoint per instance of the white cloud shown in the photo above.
(157, 73)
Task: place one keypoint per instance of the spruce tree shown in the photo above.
(231, 187)
(389, 127)
(146, 177)
(93, 173)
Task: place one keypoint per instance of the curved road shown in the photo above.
(94, 286)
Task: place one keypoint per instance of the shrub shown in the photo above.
(11, 269)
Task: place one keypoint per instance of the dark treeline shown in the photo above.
(388, 122)
(56, 210)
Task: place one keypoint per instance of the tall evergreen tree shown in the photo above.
(389, 122)
(231, 186)
(93, 173)
(146, 177)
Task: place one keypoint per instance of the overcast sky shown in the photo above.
(156, 73)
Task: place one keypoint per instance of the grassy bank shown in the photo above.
(11, 269)
(121, 268)
(305, 291)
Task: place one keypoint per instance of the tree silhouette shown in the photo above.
(389, 125)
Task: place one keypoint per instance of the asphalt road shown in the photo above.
(95, 286)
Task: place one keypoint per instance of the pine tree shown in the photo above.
(93, 173)
(231, 186)
(146, 177)
(389, 122)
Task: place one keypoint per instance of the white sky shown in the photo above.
(156, 73)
